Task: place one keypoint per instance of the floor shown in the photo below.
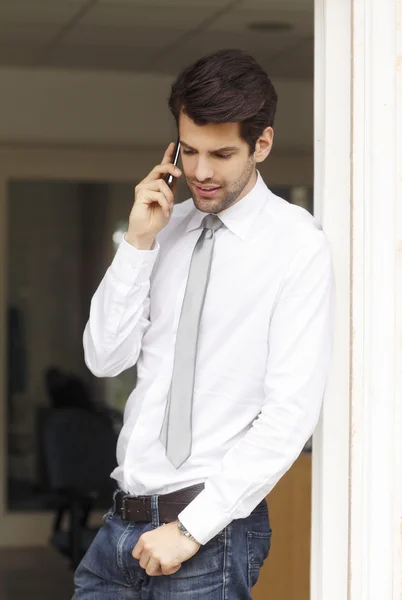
(34, 574)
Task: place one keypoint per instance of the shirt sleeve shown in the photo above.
(300, 348)
(119, 313)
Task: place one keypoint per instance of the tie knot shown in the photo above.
(212, 222)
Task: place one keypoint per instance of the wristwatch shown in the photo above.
(184, 531)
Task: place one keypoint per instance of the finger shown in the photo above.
(168, 156)
(137, 551)
(159, 185)
(162, 170)
(170, 570)
(174, 186)
(160, 199)
(144, 560)
(154, 568)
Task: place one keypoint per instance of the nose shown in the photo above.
(203, 170)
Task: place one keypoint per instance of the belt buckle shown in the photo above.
(123, 508)
(141, 512)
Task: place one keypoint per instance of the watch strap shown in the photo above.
(184, 531)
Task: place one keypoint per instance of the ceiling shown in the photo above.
(157, 36)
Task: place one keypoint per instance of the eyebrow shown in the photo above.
(225, 149)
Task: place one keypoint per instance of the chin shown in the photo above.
(207, 206)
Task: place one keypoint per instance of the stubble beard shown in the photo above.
(229, 193)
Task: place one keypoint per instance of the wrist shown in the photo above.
(141, 242)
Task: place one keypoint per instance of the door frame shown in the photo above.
(332, 194)
(357, 457)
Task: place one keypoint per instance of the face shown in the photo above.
(217, 164)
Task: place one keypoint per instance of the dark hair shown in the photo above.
(228, 86)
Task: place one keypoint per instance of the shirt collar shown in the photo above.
(238, 217)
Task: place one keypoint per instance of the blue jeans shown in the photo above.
(225, 568)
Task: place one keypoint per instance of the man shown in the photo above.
(225, 302)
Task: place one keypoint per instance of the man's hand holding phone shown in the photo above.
(153, 203)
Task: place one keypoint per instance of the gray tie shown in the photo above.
(176, 429)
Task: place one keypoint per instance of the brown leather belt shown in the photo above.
(139, 508)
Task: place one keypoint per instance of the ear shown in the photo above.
(264, 145)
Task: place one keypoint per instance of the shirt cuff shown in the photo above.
(131, 265)
(203, 518)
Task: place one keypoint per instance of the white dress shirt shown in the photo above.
(264, 351)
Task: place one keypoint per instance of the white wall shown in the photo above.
(90, 107)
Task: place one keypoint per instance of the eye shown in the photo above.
(188, 151)
(225, 156)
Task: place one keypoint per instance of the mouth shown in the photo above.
(207, 191)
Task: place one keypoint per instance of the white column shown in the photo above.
(368, 558)
(330, 497)
(376, 391)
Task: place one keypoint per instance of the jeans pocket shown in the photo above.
(258, 546)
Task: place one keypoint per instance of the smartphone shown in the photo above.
(176, 154)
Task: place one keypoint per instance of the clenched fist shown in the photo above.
(163, 550)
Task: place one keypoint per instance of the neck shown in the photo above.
(250, 185)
